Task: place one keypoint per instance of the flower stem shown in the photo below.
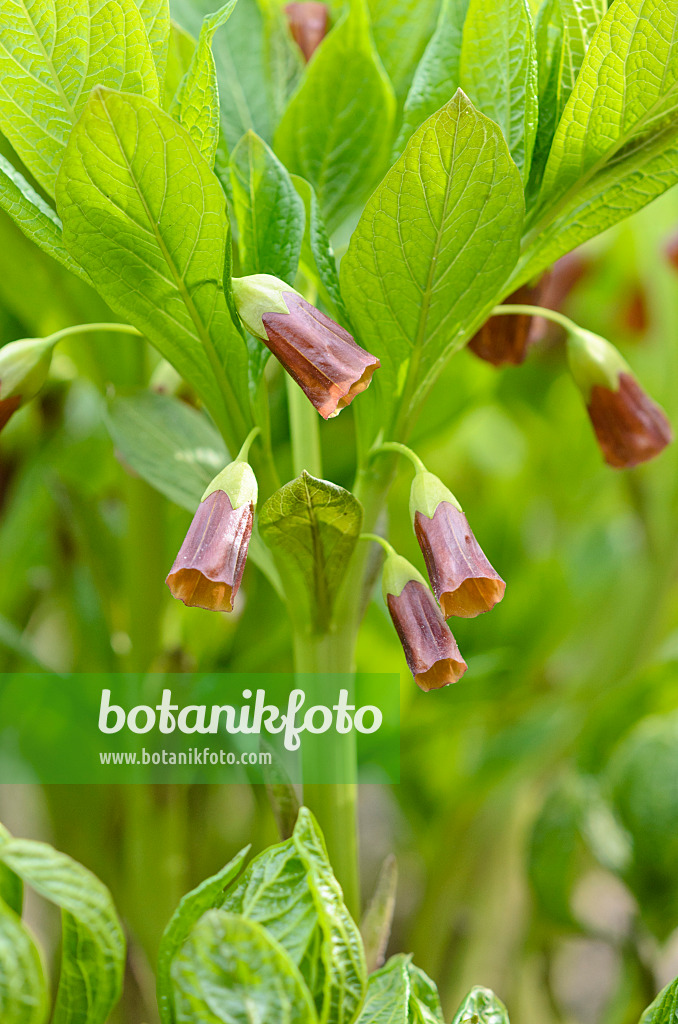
(65, 332)
(378, 540)
(547, 314)
(247, 444)
(402, 449)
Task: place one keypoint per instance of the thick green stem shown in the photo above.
(304, 432)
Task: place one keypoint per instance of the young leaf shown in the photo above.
(23, 990)
(196, 104)
(336, 131)
(317, 255)
(312, 527)
(504, 87)
(437, 76)
(230, 969)
(424, 998)
(208, 895)
(343, 956)
(433, 248)
(664, 1009)
(145, 216)
(11, 890)
(375, 926)
(387, 998)
(172, 446)
(616, 147)
(401, 31)
(481, 1006)
(156, 18)
(268, 211)
(51, 57)
(179, 56)
(93, 953)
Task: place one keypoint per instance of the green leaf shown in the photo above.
(664, 1009)
(317, 256)
(93, 953)
(34, 216)
(481, 1006)
(146, 217)
(343, 957)
(23, 990)
(401, 31)
(505, 85)
(230, 970)
(268, 211)
(11, 890)
(208, 895)
(156, 18)
(312, 527)
(388, 994)
(336, 131)
(375, 926)
(424, 998)
(432, 249)
(172, 446)
(616, 146)
(437, 76)
(180, 54)
(51, 57)
(196, 104)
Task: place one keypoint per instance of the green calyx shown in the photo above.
(397, 573)
(238, 481)
(257, 295)
(427, 492)
(24, 366)
(594, 361)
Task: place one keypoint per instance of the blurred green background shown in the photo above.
(536, 826)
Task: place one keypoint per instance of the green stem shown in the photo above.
(402, 449)
(247, 444)
(304, 432)
(547, 314)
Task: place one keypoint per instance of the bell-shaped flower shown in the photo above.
(24, 366)
(629, 426)
(504, 340)
(209, 567)
(308, 25)
(318, 353)
(461, 576)
(430, 649)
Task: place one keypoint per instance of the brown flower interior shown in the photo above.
(197, 591)
(472, 598)
(442, 673)
(629, 426)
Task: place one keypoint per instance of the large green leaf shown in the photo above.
(23, 991)
(664, 1009)
(481, 1006)
(51, 56)
(388, 994)
(146, 217)
(317, 255)
(336, 131)
(179, 56)
(172, 446)
(156, 18)
(34, 216)
(208, 895)
(437, 76)
(343, 957)
(432, 249)
(312, 527)
(93, 952)
(230, 971)
(616, 146)
(401, 31)
(196, 104)
(268, 211)
(498, 71)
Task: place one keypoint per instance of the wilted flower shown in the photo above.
(430, 649)
(629, 426)
(461, 576)
(308, 25)
(209, 567)
(318, 354)
(24, 366)
(505, 339)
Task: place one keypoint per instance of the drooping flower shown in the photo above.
(629, 426)
(318, 353)
(461, 576)
(430, 649)
(308, 24)
(210, 564)
(504, 340)
(24, 366)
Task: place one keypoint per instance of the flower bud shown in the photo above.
(629, 426)
(505, 339)
(318, 354)
(461, 576)
(209, 567)
(24, 366)
(308, 25)
(430, 649)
